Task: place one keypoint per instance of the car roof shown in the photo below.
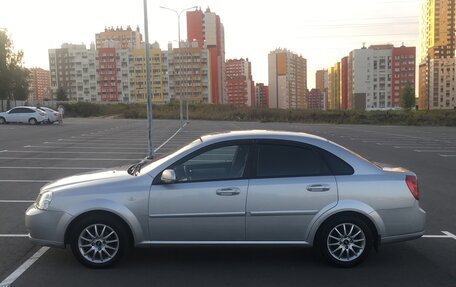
(260, 134)
(28, 107)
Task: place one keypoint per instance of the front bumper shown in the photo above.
(47, 227)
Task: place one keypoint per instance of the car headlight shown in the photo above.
(44, 200)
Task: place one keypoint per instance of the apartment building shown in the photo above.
(124, 38)
(261, 95)
(207, 30)
(287, 74)
(74, 69)
(239, 84)
(39, 85)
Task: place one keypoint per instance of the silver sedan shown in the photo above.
(246, 187)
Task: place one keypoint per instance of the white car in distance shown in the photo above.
(23, 114)
(52, 116)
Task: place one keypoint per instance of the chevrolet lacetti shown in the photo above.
(243, 187)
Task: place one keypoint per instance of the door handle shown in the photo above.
(229, 191)
(318, 187)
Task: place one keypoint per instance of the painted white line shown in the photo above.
(430, 150)
(449, 234)
(49, 167)
(447, 155)
(424, 147)
(107, 140)
(12, 236)
(108, 143)
(16, 201)
(435, 236)
(25, 180)
(65, 158)
(96, 152)
(26, 265)
(84, 147)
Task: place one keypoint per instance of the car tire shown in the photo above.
(33, 121)
(345, 241)
(99, 241)
(2, 121)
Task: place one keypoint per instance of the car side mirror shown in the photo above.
(168, 176)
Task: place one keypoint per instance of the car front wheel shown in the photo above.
(346, 241)
(2, 121)
(99, 242)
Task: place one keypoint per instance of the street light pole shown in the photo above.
(178, 14)
(150, 154)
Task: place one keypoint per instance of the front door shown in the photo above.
(207, 200)
(292, 184)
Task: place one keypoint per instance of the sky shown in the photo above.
(322, 31)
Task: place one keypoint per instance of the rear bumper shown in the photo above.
(403, 224)
(402, 237)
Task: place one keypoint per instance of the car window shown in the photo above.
(277, 160)
(337, 165)
(27, 111)
(14, 111)
(227, 162)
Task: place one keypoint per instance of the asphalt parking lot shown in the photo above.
(30, 156)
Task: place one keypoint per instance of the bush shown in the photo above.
(232, 113)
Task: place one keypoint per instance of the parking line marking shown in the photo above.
(24, 180)
(436, 150)
(84, 147)
(12, 236)
(447, 155)
(66, 158)
(107, 143)
(26, 265)
(49, 167)
(449, 234)
(16, 201)
(99, 152)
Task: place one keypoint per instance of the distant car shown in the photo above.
(23, 114)
(52, 116)
(243, 188)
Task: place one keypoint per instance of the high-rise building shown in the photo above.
(287, 80)
(343, 89)
(158, 75)
(240, 88)
(189, 72)
(437, 54)
(378, 74)
(334, 87)
(321, 80)
(125, 38)
(403, 68)
(39, 85)
(74, 69)
(207, 29)
(261, 95)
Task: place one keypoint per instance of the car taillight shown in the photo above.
(56, 114)
(412, 183)
(43, 114)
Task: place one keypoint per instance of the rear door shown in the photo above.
(207, 200)
(291, 184)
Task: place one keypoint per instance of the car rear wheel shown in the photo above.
(346, 241)
(32, 121)
(2, 121)
(98, 242)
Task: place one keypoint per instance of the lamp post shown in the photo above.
(150, 154)
(178, 14)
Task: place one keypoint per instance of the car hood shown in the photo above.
(94, 177)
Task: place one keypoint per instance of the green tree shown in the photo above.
(13, 76)
(62, 95)
(407, 97)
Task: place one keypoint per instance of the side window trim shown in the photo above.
(291, 143)
(247, 170)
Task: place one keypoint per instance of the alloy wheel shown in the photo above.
(346, 242)
(98, 243)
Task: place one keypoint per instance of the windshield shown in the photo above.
(147, 164)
